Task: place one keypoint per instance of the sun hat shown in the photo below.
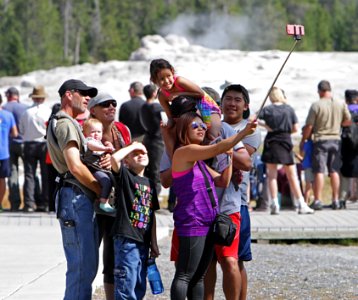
(38, 92)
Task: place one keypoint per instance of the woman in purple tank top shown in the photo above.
(194, 213)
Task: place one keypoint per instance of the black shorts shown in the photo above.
(5, 170)
(278, 149)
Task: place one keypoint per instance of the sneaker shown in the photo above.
(336, 204)
(342, 204)
(107, 207)
(41, 209)
(275, 210)
(317, 205)
(305, 209)
(28, 209)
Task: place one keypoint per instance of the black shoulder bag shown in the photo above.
(224, 229)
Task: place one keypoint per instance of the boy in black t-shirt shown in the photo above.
(134, 229)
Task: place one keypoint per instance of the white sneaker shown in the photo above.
(305, 209)
(275, 209)
(107, 208)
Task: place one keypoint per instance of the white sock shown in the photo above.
(300, 202)
(275, 202)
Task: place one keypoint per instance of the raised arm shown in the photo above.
(186, 156)
(190, 88)
(118, 156)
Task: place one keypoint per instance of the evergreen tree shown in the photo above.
(46, 33)
(12, 53)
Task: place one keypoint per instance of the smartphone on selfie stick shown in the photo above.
(297, 31)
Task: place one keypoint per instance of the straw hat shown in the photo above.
(38, 92)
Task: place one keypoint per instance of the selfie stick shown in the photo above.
(297, 31)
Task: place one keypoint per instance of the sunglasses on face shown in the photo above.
(196, 125)
(106, 104)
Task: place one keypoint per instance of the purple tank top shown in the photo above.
(193, 214)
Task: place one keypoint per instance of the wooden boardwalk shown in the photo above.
(324, 224)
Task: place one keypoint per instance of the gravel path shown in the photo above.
(298, 271)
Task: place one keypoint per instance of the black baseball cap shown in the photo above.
(239, 88)
(74, 84)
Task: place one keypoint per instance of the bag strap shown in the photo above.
(208, 187)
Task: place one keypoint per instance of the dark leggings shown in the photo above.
(195, 254)
(105, 224)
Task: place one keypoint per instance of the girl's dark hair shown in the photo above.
(182, 125)
(156, 65)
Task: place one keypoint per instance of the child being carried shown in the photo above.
(93, 131)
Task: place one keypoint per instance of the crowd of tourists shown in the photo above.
(173, 134)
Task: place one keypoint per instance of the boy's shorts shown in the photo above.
(245, 235)
(309, 177)
(221, 251)
(232, 250)
(5, 170)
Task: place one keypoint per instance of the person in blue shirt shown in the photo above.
(306, 155)
(7, 128)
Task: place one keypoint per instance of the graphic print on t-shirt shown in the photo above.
(141, 207)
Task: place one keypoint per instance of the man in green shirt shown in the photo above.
(324, 121)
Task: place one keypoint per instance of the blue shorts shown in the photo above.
(245, 235)
(5, 170)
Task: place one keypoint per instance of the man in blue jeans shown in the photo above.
(77, 190)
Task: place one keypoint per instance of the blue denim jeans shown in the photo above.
(130, 268)
(80, 241)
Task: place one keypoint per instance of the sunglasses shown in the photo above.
(106, 104)
(82, 93)
(196, 125)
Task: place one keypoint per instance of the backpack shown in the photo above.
(350, 134)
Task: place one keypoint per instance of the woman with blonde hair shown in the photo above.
(281, 121)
